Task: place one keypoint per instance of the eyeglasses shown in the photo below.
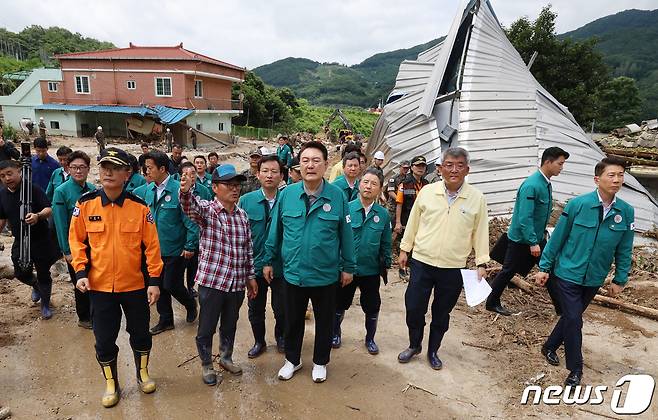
(78, 168)
(231, 185)
(270, 171)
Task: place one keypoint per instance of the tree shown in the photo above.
(619, 103)
(571, 71)
(264, 106)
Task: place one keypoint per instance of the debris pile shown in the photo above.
(638, 145)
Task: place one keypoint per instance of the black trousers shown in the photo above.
(370, 299)
(296, 300)
(106, 321)
(257, 308)
(173, 285)
(447, 285)
(569, 328)
(216, 307)
(81, 299)
(191, 267)
(43, 283)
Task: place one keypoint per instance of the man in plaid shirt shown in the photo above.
(226, 265)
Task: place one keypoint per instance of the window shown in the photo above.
(54, 125)
(221, 126)
(82, 84)
(52, 86)
(198, 89)
(199, 127)
(163, 86)
(132, 85)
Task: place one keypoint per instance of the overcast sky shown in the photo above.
(250, 33)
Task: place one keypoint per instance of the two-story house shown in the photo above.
(112, 87)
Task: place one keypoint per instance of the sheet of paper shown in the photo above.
(476, 291)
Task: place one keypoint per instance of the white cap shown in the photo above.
(379, 155)
(41, 118)
(100, 128)
(168, 130)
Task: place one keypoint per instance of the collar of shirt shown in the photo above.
(352, 184)
(65, 175)
(159, 189)
(606, 209)
(119, 200)
(366, 210)
(545, 177)
(269, 202)
(452, 196)
(313, 195)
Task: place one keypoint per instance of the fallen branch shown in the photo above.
(353, 408)
(412, 386)
(479, 346)
(523, 285)
(630, 308)
(188, 360)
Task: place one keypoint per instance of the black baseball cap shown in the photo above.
(419, 160)
(116, 156)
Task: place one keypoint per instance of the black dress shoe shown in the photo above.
(550, 355)
(434, 360)
(573, 379)
(336, 342)
(256, 350)
(407, 354)
(500, 309)
(191, 313)
(161, 327)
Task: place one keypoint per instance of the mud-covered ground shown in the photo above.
(48, 369)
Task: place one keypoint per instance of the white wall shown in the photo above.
(68, 122)
(210, 122)
(14, 113)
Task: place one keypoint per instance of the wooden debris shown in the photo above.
(479, 346)
(627, 307)
(412, 386)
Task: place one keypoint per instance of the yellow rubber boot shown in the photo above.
(112, 391)
(146, 384)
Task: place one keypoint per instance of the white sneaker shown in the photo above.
(319, 373)
(288, 370)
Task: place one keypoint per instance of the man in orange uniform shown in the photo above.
(109, 227)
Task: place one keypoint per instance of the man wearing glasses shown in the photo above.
(448, 221)
(64, 199)
(226, 265)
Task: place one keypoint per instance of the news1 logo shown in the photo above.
(638, 396)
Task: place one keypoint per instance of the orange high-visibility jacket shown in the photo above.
(108, 239)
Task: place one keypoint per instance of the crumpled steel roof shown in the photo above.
(165, 114)
(503, 117)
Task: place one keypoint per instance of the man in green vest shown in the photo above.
(311, 231)
(349, 181)
(203, 176)
(258, 205)
(178, 236)
(64, 199)
(594, 230)
(532, 209)
(59, 175)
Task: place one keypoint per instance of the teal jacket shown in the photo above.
(315, 245)
(176, 231)
(257, 208)
(582, 247)
(372, 238)
(350, 193)
(202, 192)
(135, 180)
(56, 179)
(206, 181)
(284, 153)
(64, 199)
(534, 203)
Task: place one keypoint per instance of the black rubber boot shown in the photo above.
(371, 329)
(226, 359)
(338, 319)
(260, 346)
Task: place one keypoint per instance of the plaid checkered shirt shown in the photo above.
(226, 260)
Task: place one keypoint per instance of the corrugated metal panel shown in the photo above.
(59, 107)
(117, 109)
(171, 115)
(506, 121)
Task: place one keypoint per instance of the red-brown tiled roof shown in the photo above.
(134, 52)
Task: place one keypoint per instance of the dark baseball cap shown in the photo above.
(295, 164)
(116, 156)
(227, 172)
(419, 160)
(256, 152)
(405, 163)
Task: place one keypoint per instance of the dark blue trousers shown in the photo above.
(574, 299)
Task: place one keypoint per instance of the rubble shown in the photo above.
(638, 145)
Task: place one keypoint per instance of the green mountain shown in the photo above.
(627, 40)
(363, 84)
